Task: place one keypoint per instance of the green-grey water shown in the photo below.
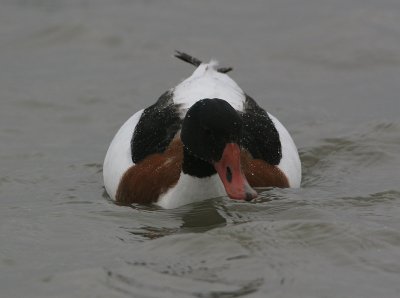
(71, 72)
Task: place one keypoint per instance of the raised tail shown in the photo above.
(196, 62)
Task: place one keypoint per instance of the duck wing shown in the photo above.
(156, 128)
(260, 136)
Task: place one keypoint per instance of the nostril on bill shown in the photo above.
(229, 174)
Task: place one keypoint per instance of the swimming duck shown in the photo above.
(204, 138)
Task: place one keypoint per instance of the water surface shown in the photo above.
(73, 71)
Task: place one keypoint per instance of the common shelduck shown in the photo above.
(204, 138)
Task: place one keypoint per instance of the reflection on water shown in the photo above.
(203, 217)
(194, 218)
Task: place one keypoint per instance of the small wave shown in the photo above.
(335, 160)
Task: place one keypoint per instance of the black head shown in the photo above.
(208, 126)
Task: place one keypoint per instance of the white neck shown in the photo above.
(191, 189)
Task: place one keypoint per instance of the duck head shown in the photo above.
(211, 134)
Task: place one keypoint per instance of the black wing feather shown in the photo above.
(260, 136)
(156, 128)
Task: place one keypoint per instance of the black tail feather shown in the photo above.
(225, 69)
(187, 58)
(196, 62)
